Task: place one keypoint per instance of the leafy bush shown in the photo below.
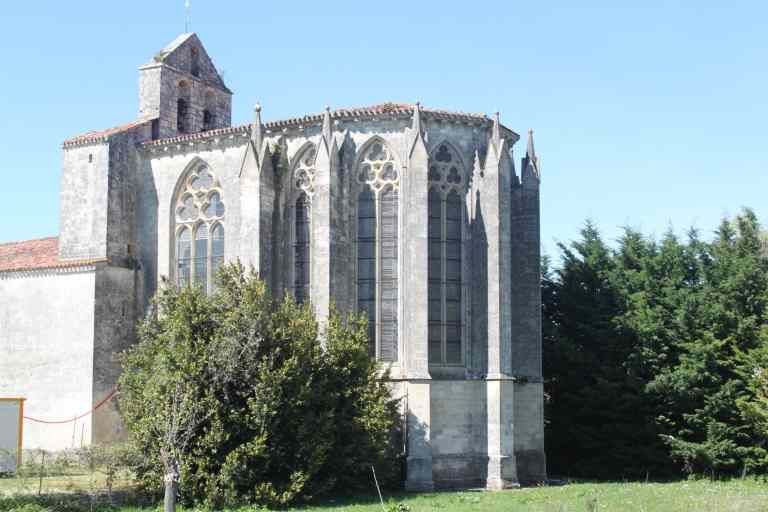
(251, 400)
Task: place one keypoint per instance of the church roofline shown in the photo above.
(38, 254)
(172, 46)
(160, 59)
(100, 136)
(384, 109)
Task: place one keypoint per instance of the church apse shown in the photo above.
(414, 216)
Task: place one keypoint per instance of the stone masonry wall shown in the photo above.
(83, 208)
(46, 342)
(115, 317)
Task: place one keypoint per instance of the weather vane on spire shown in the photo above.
(186, 18)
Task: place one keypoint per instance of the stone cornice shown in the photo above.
(64, 267)
(376, 112)
(215, 139)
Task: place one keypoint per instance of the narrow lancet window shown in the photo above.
(217, 251)
(301, 258)
(435, 276)
(453, 209)
(183, 257)
(366, 262)
(201, 257)
(445, 218)
(388, 274)
(303, 187)
(183, 108)
(194, 62)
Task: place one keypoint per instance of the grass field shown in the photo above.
(734, 496)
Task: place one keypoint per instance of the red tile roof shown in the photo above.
(343, 113)
(35, 255)
(102, 135)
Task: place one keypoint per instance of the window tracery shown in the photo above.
(304, 173)
(378, 179)
(445, 220)
(303, 186)
(198, 215)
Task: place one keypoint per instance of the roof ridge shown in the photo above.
(17, 242)
(339, 113)
(95, 135)
(59, 264)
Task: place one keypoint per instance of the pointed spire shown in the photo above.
(530, 161)
(416, 128)
(496, 131)
(257, 132)
(530, 152)
(477, 167)
(327, 132)
(417, 118)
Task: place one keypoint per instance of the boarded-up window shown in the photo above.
(366, 262)
(377, 249)
(453, 207)
(445, 220)
(301, 259)
(388, 275)
(435, 275)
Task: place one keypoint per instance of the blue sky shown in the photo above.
(651, 116)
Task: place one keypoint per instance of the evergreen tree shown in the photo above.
(648, 349)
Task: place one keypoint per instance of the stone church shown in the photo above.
(415, 216)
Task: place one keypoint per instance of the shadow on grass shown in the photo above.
(76, 501)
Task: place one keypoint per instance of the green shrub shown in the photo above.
(251, 401)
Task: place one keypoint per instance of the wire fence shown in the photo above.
(81, 479)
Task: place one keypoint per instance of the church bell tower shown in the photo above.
(182, 90)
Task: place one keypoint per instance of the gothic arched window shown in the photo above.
(194, 65)
(303, 187)
(198, 216)
(209, 116)
(445, 221)
(183, 108)
(377, 248)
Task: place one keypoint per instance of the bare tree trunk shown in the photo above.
(171, 488)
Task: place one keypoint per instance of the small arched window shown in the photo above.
(445, 221)
(207, 120)
(183, 110)
(194, 62)
(198, 217)
(209, 117)
(378, 179)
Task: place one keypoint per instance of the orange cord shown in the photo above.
(60, 422)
